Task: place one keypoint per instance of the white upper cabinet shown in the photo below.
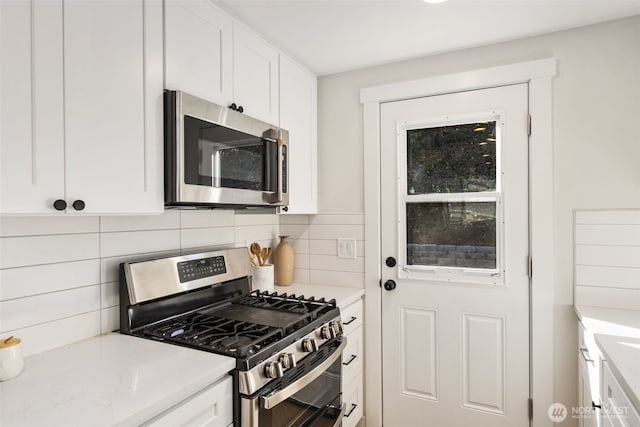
(31, 113)
(83, 127)
(198, 47)
(255, 76)
(298, 115)
(113, 105)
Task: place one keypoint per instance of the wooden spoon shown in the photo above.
(264, 255)
(255, 249)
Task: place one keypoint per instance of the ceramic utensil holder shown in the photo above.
(262, 278)
(11, 360)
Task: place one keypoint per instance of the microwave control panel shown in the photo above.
(201, 268)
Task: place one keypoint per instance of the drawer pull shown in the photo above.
(350, 321)
(353, 408)
(585, 355)
(351, 359)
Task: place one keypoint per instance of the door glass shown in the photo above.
(216, 156)
(452, 234)
(452, 159)
(451, 196)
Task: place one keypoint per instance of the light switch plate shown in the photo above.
(346, 248)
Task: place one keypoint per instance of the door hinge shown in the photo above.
(530, 408)
(529, 266)
(529, 124)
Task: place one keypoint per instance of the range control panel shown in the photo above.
(201, 268)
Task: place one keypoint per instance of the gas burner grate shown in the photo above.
(232, 337)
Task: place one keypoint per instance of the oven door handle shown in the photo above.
(273, 399)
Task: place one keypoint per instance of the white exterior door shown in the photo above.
(454, 212)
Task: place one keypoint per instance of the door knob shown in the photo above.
(389, 285)
(390, 261)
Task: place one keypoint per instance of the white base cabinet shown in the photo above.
(81, 113)
(212, 407)
(352, 357)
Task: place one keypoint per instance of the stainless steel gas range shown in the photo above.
(288, 348)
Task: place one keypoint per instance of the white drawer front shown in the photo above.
(353, 402)
(352, 356)
(617, 409)
(212, 407)
(351, 317)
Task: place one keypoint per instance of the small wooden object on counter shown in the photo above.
(11, 360)
(284, 262)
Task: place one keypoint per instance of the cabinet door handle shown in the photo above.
(351, 359)
(594, 406)
(350, 321)
(585, 355)
(353, 408)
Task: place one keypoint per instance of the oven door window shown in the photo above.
(219, 157)
(317, 404)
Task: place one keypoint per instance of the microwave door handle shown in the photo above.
(277, 196)
(273, 399)
(279, 193)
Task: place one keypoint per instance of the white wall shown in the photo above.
(596, 109)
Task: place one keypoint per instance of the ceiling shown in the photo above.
(330, 36)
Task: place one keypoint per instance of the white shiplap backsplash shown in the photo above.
(59, 275)
(607, 258)
(314, 238)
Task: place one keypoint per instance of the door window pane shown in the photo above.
(452, 234)
(452, 159)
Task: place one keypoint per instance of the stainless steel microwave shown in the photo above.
(217, 157)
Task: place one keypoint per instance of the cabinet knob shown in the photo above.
(233, 106)
(78, 205)
(285, 208)
(240, 109)
(60, 205)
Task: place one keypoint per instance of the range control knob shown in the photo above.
(287, 360)
(273, 370)
(309, 345)
(336, 325)
(327, 332)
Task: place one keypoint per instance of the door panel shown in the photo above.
(31, 115)
(113, 105)
(419, 359)
(455, 214)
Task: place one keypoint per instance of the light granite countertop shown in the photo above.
(111, 379)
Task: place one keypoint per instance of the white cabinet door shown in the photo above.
(31, 126)
(298, 115)
(198, 50)
(113, 105)
(255, 75)
(212, 407)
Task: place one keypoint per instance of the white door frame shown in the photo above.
(538, 74)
